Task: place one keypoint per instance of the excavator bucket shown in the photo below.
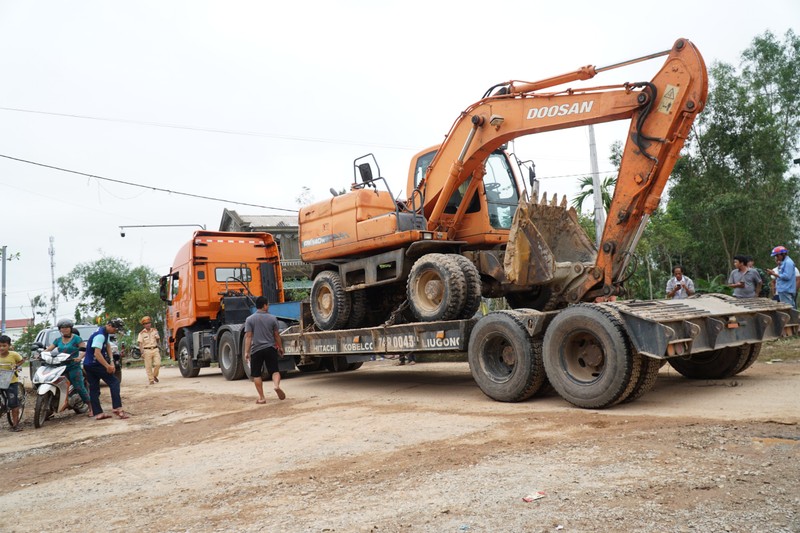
(543, 234)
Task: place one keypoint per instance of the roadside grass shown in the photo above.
(787, 349)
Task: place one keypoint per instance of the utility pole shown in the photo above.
(599, 211)
(3, 304)
(53, 298)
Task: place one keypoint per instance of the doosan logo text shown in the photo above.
(560, 110)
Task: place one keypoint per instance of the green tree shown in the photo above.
(735, 192)
(111, 287)
(587, 190)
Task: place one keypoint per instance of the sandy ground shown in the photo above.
(414, 448)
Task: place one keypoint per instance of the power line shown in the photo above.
(211, 130)
(131, 184)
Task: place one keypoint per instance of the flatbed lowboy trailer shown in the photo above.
(593, 355)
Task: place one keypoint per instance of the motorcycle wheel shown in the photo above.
(44, 407)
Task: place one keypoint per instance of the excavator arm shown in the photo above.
(660, 111)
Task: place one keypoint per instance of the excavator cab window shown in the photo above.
(502, 195)
(423, 162)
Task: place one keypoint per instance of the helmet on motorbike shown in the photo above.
(65, 323)
(779, 250)
(116, 323)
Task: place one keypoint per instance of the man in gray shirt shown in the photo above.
(746, 282)
(262, 345)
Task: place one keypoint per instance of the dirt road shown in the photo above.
(408, 449)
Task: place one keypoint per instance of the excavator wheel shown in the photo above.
(505, 361)
(436, 288)
(330, 304)
(716, 364)
(588, 357)
(358, 309)
(472, 296)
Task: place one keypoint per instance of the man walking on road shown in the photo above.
(262, 345)
(148, 341)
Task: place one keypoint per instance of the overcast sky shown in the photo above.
(249, 101)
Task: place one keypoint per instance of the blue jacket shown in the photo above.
(89, 359)
(786, 281)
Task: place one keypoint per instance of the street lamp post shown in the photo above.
(122, 228)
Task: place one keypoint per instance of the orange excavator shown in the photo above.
(468, 228)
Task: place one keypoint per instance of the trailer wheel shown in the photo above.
(185, 362)
(716, 364)
(755, 351)
(230, 360)
(505, 361)
(473, 286)
(436, 287)
(330, 304)
(647, 377)
(588, 358)
(337, 363)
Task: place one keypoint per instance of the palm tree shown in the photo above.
(587, 190)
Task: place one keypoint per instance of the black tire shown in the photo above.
(313, 367)
(647, 377)
(118, 373)
(185, 362)
(472, 294)
(716, 364)
(43, 409)
(23, 396)
(230, 360)
(358, 309)
(436, 288)
(588, 357)
(536, 298)
(504, 360)
(755, 351)
(330, 304)
(337, 363)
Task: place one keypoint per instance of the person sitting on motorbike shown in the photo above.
(70, 342)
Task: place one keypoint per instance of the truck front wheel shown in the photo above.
(185, 362)
(588, 358)
(230, 360)
(505, 361)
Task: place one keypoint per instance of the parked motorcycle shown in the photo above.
(54, 392)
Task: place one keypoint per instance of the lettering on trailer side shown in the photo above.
(324, 347)
(447, 342)
(358, 347)
(397, 342)
(577, 108)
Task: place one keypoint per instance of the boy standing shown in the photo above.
(11, 361)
